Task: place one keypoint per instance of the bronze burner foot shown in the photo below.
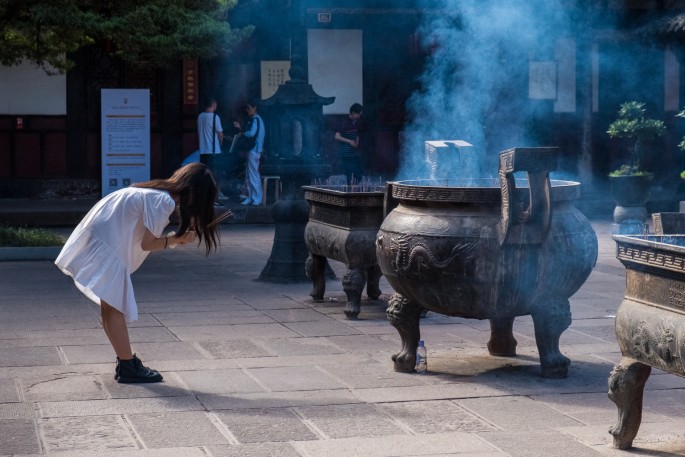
(404, 316)
(502, 342)
(551, 316)
(353, 284)
(626, 389)
(373, 276)
(315, 268)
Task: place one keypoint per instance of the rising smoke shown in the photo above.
(475, 83)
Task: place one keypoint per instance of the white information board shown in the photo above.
(274, 73)
(125, 118)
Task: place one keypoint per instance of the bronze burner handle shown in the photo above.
(529, 225)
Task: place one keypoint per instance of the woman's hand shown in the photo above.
(152, 243)
(187, 237)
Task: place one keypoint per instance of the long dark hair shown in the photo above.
(195, 190)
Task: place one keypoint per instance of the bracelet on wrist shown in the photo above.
(166, 241)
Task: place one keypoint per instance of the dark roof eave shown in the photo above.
(295, 92)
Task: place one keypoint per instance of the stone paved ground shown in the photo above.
(259, 369)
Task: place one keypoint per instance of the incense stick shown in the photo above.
(220, 219)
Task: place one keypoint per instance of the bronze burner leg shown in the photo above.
(626, 388)
(502, 342)
(373, 277)
(353, 284)
(551, 316)
(404, 316)
(315, 267)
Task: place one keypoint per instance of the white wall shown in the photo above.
(25, 89)
(335, 67)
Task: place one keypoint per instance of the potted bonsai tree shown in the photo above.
(630, 183)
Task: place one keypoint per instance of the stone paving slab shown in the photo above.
(436, 416)
(278, 399)
(515, 413)
(172, 386)
(397, 445)
(651, 435)
(54, 370)
(18, 437)
(266, 425)
(218, 382)
(29, 356)
(254, 450)
(304, 360)
(118, 406)
(66, 388)
(175, 350)
(537, 443)
(18, 411)
(301, 346)
(92, 353)
(181, 429)
(8, 391)
(368, 375)
(92, 434)
(280, 379)
(167, 452)
(233, 349)
(242, 315)
(453, 390)
(232, 332)
(593, 409)
(346, 421)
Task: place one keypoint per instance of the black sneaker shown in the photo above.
(133, 370)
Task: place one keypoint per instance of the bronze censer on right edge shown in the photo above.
(488, 249)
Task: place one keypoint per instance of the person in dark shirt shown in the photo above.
(347, 136)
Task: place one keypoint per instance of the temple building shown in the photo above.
(568, 86)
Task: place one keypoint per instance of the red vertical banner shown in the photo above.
(190, 82)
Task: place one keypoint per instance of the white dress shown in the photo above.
(104, 248)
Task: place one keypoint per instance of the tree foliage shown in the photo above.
(157, 32)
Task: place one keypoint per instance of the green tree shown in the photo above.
(157, 32)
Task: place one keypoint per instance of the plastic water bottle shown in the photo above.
(421, 358)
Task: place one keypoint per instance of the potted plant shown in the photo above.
(630, 183)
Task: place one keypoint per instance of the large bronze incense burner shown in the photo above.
(343, 222)
(650, 323)
(492, 250)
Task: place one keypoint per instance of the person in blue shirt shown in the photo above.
(253, 128)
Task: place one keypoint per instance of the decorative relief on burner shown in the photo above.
(414, 257)
(655, 343)
(472, 194)
(651, 257)
(676, 295)
(441, 194)
(339, 200)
